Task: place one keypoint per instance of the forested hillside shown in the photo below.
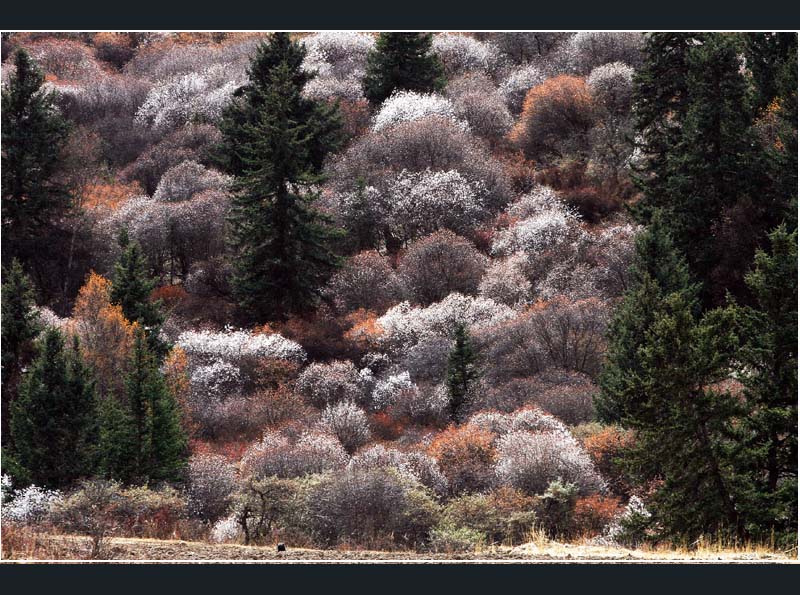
(433, 292)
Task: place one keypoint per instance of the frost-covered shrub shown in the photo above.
(589, 49)
(440, 264)
(371, 505)
(407, 106)
(367, 281)
(31, 505)
(187, 179)
(404, 326)
(234, 346)
(516, 86)
(431, 143)
(420, 466)
(388, 391)
(505, 282)
(530, 461)
(327, 383)
(463, 53)
(275, 455)
(329, 87)
(348, 422)
(612, 86)
(195, 96)
(423, 202)
(344, 52)
(212, 484)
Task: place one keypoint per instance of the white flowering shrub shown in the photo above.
(407, 106)
(516, 86)
(432, 143)
(545, 225)
(5, 488)
(630, 526)
(404, 326)
(226, 530)
(589, 49)
(348, 422)
(210, 386)
(344, 52)
(234, 346)
(194, 96)
(274, 455)
(427, 360)
(30, 505)
(526, 419)
(440, 264)
(530, 461)
(421, 467)
(323, 384)
(211, 486)
(187, 179)
(49, 319)
(391, 389)
(611, 252)
(423, 202)
(329, 87)
(505, 282)
(463, 53)
(67, 59)
(612, 86)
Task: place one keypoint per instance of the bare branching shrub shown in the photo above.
(365, 281)
(440, 264)
(276, 455)
(378, 506)
(212, 484)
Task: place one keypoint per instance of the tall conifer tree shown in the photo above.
(274, 142)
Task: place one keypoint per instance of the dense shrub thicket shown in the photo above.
(400, 290)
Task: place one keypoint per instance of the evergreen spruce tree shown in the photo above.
(461, 370)
(402, 61)
(131, 288)
(703, 161)
(657, 271)
(768, 358)
(664, 361)
(34, 134)
(53, 420)
(159, 443)
(767, 54)
(274, 141)
(20, 326)
(117, 455)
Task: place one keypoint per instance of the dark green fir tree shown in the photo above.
(274, 142)
(131, 288)
(402, 61)
(462, 371)
(34, 135)
(53, 420)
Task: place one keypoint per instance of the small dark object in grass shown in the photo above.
(281, 547)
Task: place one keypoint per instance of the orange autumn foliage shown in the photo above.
(109, 196)
(170, 295)
(593, 513)
(364, 329)
(605, 448)
(177, 378)
(466, 456)
(106, 335)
